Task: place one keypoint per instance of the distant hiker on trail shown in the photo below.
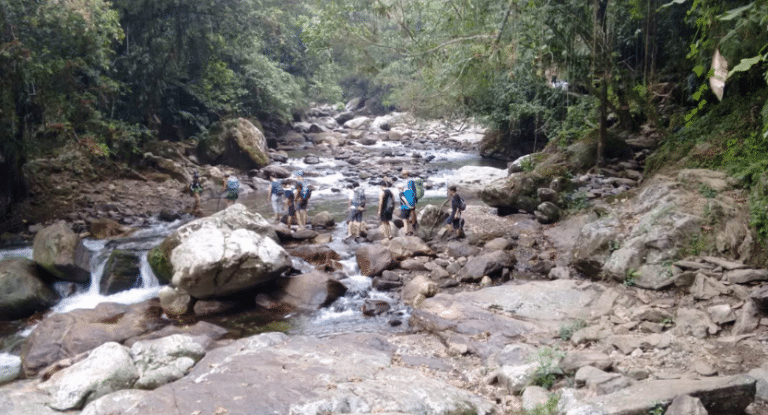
(457, 207)
(276, 195)
(407, 203)
(386, 207)
(290, 202)
(302, 199)
(232, 187)
(356, 209)
(196, 188)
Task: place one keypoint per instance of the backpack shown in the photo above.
(462, 204)
(409, 197)
(233, 184)
(359, 198)
(305, 193)
(389, 201)
(418, 187)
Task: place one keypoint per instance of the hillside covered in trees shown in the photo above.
(108, 79)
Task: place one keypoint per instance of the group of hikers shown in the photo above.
(290, 197)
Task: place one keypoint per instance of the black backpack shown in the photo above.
(389, 201)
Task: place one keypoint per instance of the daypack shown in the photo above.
(359, 198)
(462, 205)
(409, 197)
(389, 201)
(233, 184)
(418, 187)
(305, 193)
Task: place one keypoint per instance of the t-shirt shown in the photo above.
(276, 187)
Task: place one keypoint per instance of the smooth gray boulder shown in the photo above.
(56, 248)
(122, 272)
(236, 143)
(310, 291)
(10, 367)
(164, 360)
(22, 292)
(720, 396)
(373, 259)
(404, 247)
(108, 368)
(686, 405)
(491, 264)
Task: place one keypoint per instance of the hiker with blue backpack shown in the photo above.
(416, 185)
(304, 192)
(458, 206)
(356, 209)
(232, 188)
(407, 204)
(276, 195)
(386, 208)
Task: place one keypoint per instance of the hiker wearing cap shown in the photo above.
(276, 195)
(386, 207)
(196, 188)
(407, 202)
(231, 187)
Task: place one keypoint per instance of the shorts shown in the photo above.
(385, 216)
(355, 215)
(231, 195)
(302, 206)
(405, 213)
(277, 204)
(291, 210)
(458, 223)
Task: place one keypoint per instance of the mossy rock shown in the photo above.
(237, 143)
(518, 191)
(582, 155)
(122, 272)
(159, 259)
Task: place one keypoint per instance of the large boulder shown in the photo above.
(107, 369)
(404, 247)
(164, 360)
(310, 291)
(65, 335)
(10, 368)
(516, 192)
(122, 272)
(319, 255)
(57, 248)
(236, 143)
(22, 292)
(216, 262)
(373, 259)
(234, 217)
(491, 264)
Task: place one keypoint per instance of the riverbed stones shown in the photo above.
(164, 360)
(107, 369)
(65, 335)
(56, 248)
(577, 359)
(310, 291)
(419, 285)
(404, 247)
(22, 292)
(547, 212)
(373, 259)
(491, 264)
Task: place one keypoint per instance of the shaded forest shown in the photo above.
(107, 79)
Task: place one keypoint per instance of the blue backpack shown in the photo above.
(233, 185)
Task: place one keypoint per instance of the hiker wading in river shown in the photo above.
(455, 222)
(386, 208)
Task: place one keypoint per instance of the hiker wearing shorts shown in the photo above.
(232, 187)
(386, 208)
(276, 195)
(356, 209)
(455, 220)
(407, 203)
(290, 203)
(302, 200)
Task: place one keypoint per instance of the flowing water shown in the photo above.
(344, 315)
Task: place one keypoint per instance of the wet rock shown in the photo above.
(319, 255)
(375, 307)
(491, 264)
(22, 290)
(65, 335)
(164, 360)
(121, 272)
(373, 259)
(175, 301)
(10, 368)
(104, 228)
(686, 405)
(107, 369)
(323, 219)
(55, 248)
(280, 172)
(404, 247)
(310, 291)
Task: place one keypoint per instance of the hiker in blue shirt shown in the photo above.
(232, 187)
(407, 203)
(418, 191)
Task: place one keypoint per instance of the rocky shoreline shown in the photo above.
(618, 308)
